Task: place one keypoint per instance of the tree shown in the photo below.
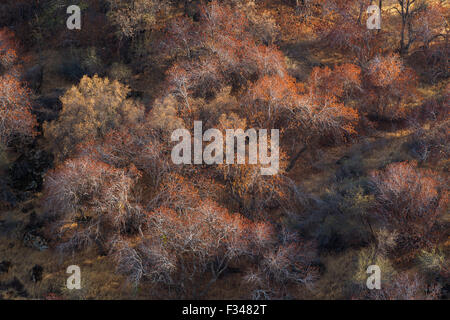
(282, 264)
(271, 100)
(431, 25)
(190, 251)
(324, 82)
(430, 145)
(429, 31)
(321, 111)
(411, 201)
(176, 193)
(342, 27)
(228, 55)
(309, 113)
(253, 191)
(198, 79)
(406, 287)
(408, 11)
(391, 86)
(164, 116)
(134, 17)
(16, 120)
(8, 54)
(261, 22)
(90, 201)
(182, 36)
(138, 146)
(90, 110)
(256, 193)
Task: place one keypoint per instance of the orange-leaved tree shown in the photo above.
(411, 201)
(391, 87)
(16, 120)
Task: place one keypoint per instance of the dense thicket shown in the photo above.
(363, 120)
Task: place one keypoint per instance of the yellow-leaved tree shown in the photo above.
(90, 110)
